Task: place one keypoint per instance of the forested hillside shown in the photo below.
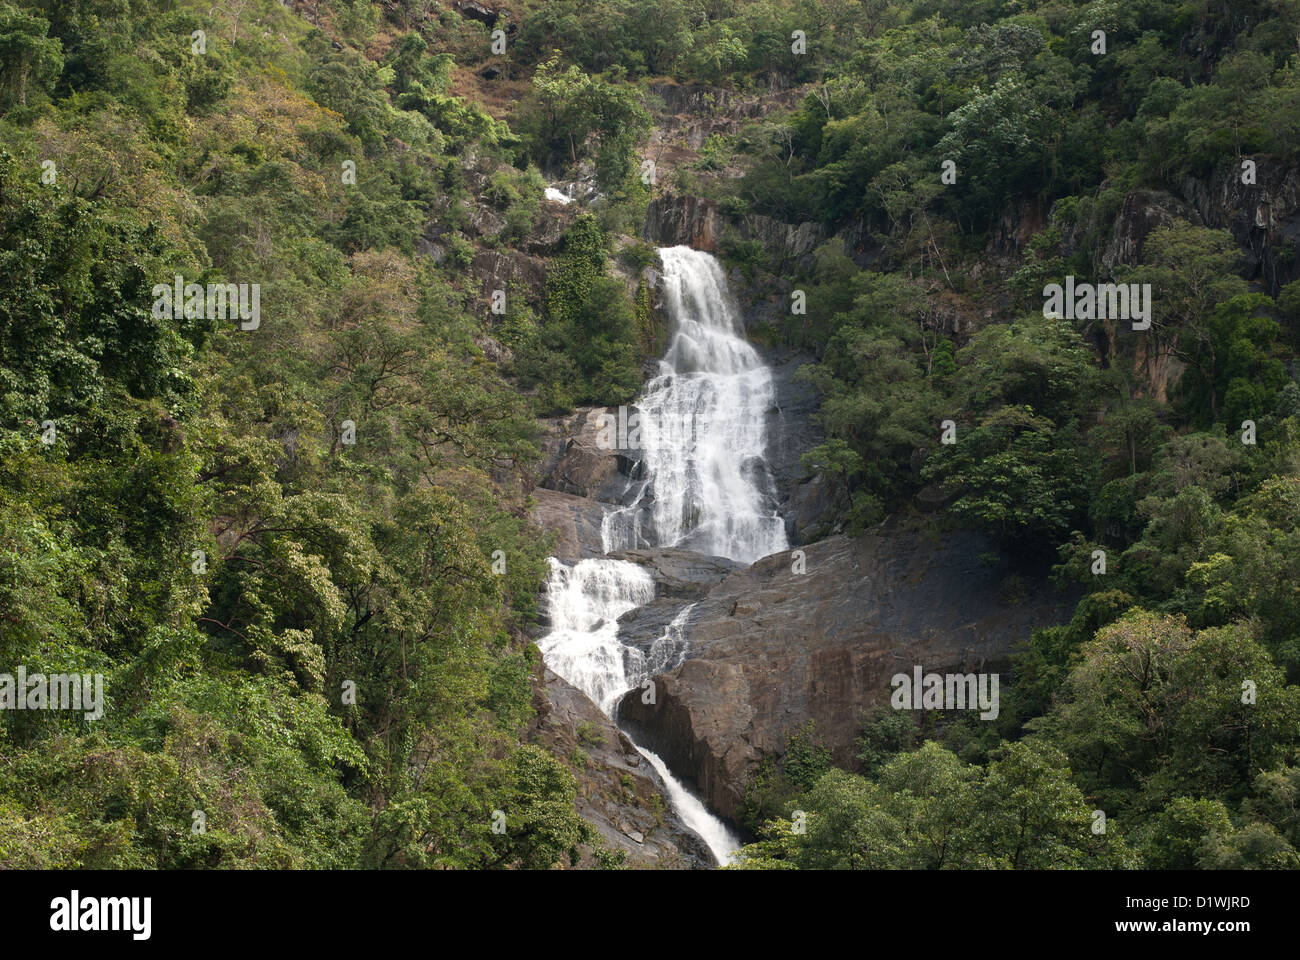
(299, 544)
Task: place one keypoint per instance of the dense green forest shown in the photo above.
(280, 545)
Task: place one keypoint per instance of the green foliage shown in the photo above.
(32, 59)
(572, 107)
(805, 760)
(589, 734)
(778, 781)
(1019, 478)
(302, 639)
(333, 566)
(885, 734)
(879, 404)
(926, 809)
(590, 328)
(1153, 710)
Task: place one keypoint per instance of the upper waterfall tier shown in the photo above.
(702, 434)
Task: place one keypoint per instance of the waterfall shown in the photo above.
(584, 602)
(721, 841)
(704, 487)
(702, 435)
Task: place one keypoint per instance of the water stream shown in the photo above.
(704, 487)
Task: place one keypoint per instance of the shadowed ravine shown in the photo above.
(704, 487)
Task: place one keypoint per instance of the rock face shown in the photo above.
(619, 792)
(680, 574)
(673, 219)
(574, 461)
(476, 11)
(1019, 221)
(770, 649)
(802, 498)
(686, 115)
(1143, 212)
(680, 577)
(1263, 217)
(575, 521)
(506, 269)
(700, 100)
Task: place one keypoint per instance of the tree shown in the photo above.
(1173, 840)
(878, 405)
(1033, 817)
(1193, 270)
(1019, 477)
(1154, 709)
(572, 106)
(30, 57)
(590, 319)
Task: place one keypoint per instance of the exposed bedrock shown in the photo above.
(577, 462)
(681, 577)
(673, 219)
(574, 520)
(619, 792)
(770, 649)
(805, 499)
(1263, 217)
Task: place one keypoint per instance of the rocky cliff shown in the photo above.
(1263, 217)
(770, 648)
(673, 218)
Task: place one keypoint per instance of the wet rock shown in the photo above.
(680, 577)
(680, 573)
(622, 798)
(770, 649)
(811, 509)
(791, 432)
(673, 219)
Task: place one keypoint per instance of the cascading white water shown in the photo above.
(668, 650)
(701, 425)
(702, 441)
(721, 841)
(585, 602)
